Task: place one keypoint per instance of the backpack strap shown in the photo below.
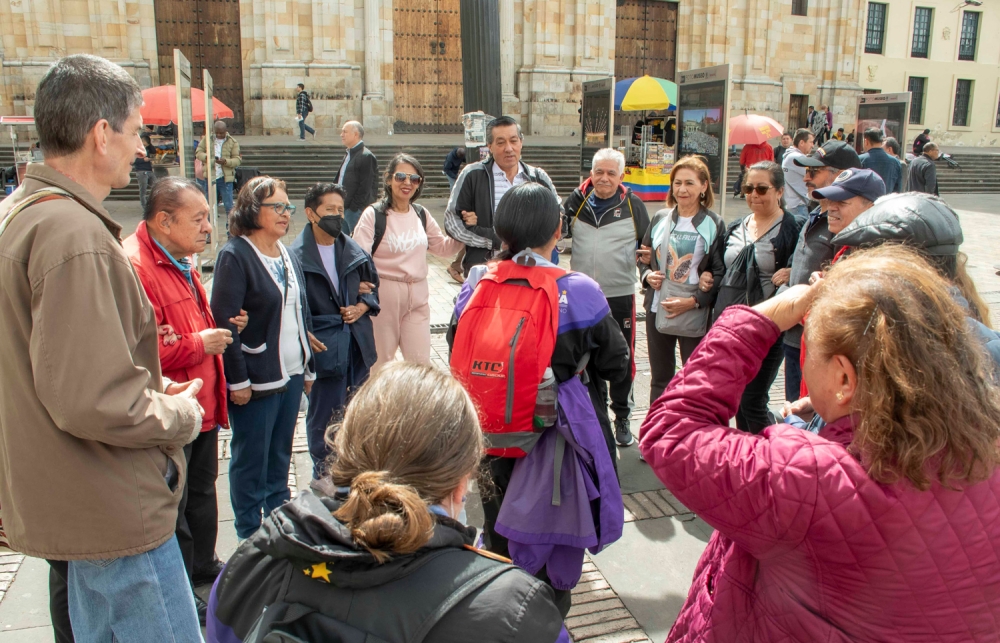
(45, 194)
(456, 597)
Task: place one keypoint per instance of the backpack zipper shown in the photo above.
(510, 372)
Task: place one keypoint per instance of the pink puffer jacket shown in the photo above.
(807, 547)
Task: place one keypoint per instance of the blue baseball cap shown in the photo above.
(851, 183)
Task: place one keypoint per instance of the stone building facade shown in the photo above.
(396, 66)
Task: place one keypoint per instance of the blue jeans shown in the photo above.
(262, 452)
(223, 192)
(303, 128)
(144, 598)
(793, 372)
(351, 219)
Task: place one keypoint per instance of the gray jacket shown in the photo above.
(813, 252)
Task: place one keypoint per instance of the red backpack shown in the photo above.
(503, 343)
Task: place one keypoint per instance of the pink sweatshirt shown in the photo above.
(402, 255)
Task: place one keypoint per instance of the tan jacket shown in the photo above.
(85, 433)
(231, 158)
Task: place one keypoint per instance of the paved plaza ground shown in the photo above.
(633, 590)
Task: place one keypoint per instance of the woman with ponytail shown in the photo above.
(884, 526)
(387, 556)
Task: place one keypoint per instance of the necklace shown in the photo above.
(757, 230)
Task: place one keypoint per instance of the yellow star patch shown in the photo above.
(320, 571)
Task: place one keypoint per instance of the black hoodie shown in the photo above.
(302, 543)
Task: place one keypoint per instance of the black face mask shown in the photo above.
(331, 225)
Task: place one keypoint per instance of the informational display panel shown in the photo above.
(185, 133)
(702, 121)
(213, 194)
(597, 116)
(887, 112)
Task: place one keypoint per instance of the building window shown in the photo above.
(963, 101)
(917, 88)
(871, 91)
(800, 7)
(875, 39)
(970, 34)
(921, 32)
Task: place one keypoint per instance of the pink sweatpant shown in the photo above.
(404, 322)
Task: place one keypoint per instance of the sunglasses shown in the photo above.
(280, 208)
(402, 176)
(760, 189)
(813, 171)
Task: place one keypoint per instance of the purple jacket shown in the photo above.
(549, 526)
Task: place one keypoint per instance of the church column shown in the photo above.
(373, 49)
(507, 51)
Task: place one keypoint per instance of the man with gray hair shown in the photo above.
(358, 174)
(91, 434)
(606, 221)
(479, 188)
(923, 173)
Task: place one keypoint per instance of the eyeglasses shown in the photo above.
(280, 208)
(402, 176)
(761, 189)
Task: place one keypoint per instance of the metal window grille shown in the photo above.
(963, 96)
(921, 32)
(970, 33)
(917, 87)
(875, 39)
(800, 7)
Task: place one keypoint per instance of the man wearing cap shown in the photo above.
(814, 249)
(796, 195)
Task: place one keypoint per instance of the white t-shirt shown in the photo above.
(288, 340)
(218, 154)
(327, 254)
(686, 250)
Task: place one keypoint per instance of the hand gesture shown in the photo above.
(240, 321)
(366, 288)
(644, 254)
(677, 306)
(780, 277)
(166, 331)
(655, 279)
(187, 390)
(316, 345)
(706, 281)
(353, 313)
(241, 396)
(788, 308)
(216, 340)
(469, 218)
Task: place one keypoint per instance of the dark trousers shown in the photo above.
(738, 186)
(793, 372)
(59, 601)
(262, 452)
(623, 312)
(327, 396)
(662, 357)
(752, 416)
(198, 512)
(495, 473)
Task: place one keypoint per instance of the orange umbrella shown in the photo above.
(753, 129)
(160, 106)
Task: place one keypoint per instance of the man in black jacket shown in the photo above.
(606, 221)
(478, 189)
(814, 251)
(358, 174)
(923, 173)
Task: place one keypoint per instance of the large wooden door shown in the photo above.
(427, 48)
(797, 112)
(646, 39)
(208, 34)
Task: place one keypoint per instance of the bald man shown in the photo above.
(226, 151)
(358, 174)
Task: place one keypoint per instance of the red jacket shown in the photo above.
(172, 299)
(755, 153)
(807, 546)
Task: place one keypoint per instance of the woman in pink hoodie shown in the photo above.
(397, 233)
(886, 525)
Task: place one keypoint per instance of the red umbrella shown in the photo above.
(160, 106)
(753, 129)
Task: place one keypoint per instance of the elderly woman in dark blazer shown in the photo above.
(269, 364)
